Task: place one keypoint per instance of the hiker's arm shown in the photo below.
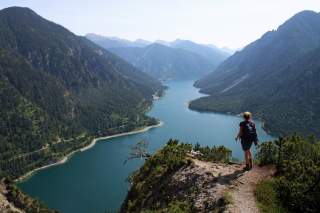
(239, 133)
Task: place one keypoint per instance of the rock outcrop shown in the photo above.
(197, 185)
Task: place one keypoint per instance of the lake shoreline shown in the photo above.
(263, 122)
(89, 146)
(104, 163)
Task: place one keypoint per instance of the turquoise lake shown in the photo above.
(94, 181)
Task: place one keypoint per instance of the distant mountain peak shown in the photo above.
(177, 41)
(14, 11)
(304, 19)
(145, 55)
(113, 42)
(157, 45)
(306, 13)
(17, 8)
(142, 41)
(183, 41)
(166, 43)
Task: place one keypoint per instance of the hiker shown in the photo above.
(248, 135)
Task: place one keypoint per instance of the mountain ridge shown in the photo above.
(59, 90)
(251, 79)
(201, 59)
(164, 62)
(111, 42)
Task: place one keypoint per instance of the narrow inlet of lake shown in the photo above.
(95, 180)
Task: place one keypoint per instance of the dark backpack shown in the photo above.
(249, 131)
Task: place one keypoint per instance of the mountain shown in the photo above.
(180, 59)
(140, 43)
(165, 43)
(165, 62)
(59, 90)
(276, 77)
(211, 53)
(112, 42)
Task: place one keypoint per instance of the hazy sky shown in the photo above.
(232, 23)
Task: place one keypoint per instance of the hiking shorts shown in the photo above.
(246, 144)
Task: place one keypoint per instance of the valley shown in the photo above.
(97, 123)
(101, 175)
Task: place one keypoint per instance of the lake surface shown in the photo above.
(95, 180)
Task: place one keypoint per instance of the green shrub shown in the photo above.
(267, 198)
(215, 154)
(267, 153)
(178, 207)
(173, 207)
(298, 171)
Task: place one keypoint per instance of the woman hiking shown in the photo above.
(248, 135)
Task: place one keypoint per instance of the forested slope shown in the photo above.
(59, 90)
(212, 53)
(275, 77)
(165, 62)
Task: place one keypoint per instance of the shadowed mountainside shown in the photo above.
(58, 90)
(275, 77)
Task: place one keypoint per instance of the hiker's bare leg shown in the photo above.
(246, 156)
(250, 158)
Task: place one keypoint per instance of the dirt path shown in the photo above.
(205, 183)
(232, 180)
(243, 191)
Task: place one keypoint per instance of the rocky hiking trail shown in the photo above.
(243, 192)
(221, 187)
